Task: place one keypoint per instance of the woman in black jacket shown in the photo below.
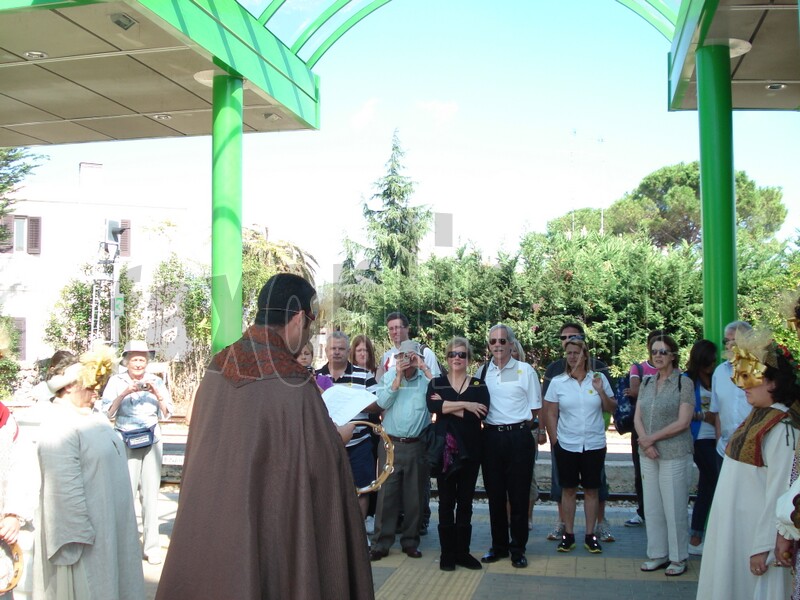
(459, 402)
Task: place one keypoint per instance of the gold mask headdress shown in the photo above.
(92, 372)
(98, 364)
(751, 353)
(789, 308)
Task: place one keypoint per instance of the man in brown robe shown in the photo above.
(268, 507)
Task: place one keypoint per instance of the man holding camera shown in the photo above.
(401, 393)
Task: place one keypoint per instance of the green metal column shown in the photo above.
(717, 190)
(226, 216)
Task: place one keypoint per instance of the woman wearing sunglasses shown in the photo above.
(664, 412)
(459, 402)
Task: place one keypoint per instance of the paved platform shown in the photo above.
(612, 575)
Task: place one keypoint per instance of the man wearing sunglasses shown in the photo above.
(508, 446)
(267, 495)
(568, 332)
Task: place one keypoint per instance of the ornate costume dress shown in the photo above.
(87, 544)
(754, 474)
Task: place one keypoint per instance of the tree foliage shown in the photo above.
(261, 259)
(70, 324)
(15, 165)
(396, 228)
(621, 272)
(666, 206)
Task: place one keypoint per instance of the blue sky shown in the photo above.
(511, 113)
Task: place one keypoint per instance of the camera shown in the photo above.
(141, 385)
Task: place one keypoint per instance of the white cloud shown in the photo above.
(442, 112)
(365, 115)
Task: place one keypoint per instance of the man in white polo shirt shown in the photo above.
(508, 446)
(727, 400)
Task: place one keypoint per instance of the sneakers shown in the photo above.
(591, 544)
(369, 525)
(557, 533)
(567, 543)
(635, 521)
(696, 550)
(603, 531)
(154, 558)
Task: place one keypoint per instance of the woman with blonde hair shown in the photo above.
(460, 403)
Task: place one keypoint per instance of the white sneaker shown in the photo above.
(696, 550)
(369, 524)
(154, 558)
(635, 521)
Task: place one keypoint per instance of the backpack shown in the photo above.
(442, 368)
(623, 414)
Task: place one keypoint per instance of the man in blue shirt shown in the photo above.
(401, 393)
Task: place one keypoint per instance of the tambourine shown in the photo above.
(388, 468)
(10, 566)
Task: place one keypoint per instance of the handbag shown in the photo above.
(138, 438)
(434, 438)
(623, 414)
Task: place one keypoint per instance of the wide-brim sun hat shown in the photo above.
(136, 346)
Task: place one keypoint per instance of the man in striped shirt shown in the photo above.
(359, 448)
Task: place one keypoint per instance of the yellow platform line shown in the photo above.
(414, 579)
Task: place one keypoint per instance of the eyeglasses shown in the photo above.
(726, 341)
(574, 336)
(501, 341)
(461, 355)
(661, 352)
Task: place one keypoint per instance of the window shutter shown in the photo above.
(34, 235)
(125, 238)
(19, 324)
(7, 223)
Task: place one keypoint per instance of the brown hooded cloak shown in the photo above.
(268, 507)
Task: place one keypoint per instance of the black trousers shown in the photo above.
(637, 473)
(507, 468)
(456, 493)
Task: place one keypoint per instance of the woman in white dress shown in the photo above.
(87, 543)
(737, 558)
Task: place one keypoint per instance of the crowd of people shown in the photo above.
(271, 481)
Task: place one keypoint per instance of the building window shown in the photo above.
(125, 238)
(19, 323)
(22, 234)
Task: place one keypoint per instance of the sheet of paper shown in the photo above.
(345, 402)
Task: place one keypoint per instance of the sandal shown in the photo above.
(654, 564)
(676, 568)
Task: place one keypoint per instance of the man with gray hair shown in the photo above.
(515, 399)
(401, 393)
(728, 401)
(343, 372)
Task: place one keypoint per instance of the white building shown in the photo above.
(56, 232)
